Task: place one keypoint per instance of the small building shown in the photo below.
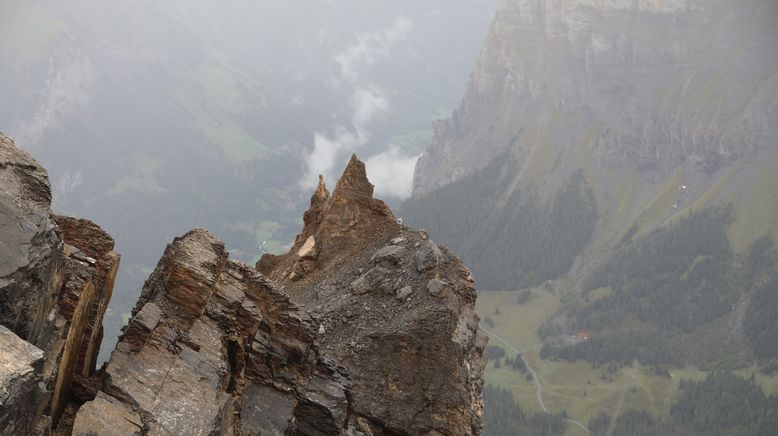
(583, 335)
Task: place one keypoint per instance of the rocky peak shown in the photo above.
(334, 226)
(353, 185)
(385, 342)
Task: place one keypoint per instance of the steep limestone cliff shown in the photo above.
(666, 106)
(651, 84)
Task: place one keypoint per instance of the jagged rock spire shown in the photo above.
(353, 184)
(334, 225)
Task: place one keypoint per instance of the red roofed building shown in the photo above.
(583, 335)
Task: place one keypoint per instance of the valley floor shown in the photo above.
(575, 387)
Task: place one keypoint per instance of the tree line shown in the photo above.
(722, 404)
(503, 416)
(520, 244)
(673, 284)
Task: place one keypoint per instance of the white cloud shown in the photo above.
(368, 102)
(370, 46)
(326, 150)
(392, 172)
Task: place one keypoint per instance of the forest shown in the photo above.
(672, 284)
(520, 244)
(722, 404)
(503, 416)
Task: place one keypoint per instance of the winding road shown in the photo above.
(535, 379)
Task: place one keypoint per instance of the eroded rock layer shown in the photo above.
(367, 328)
(56, 279)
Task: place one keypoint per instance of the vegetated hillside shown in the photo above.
(679, 295)
(520, 242)
(627, 146)
(701, 409)
(503, 416)
(667, 109)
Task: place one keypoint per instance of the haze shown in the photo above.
(156, 117)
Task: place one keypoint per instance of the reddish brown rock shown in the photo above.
(416, 362)
(220, 362)
(334, 227)
(213, 347)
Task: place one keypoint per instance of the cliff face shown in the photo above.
(56, 278)
(649, 86)
(367, 328)
(658, 107)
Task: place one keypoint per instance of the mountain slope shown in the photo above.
(663, 107)
(644, 97)
(616, 161)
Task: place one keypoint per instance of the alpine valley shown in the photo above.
(615, 164)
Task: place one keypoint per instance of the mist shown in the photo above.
(596, 180)
(156, 117)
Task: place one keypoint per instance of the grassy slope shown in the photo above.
(757, 212)
(639, 388)
(564, 383)
(211, 94)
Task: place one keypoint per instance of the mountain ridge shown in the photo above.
(379, 336)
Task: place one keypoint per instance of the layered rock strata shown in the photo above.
(56, 279)
(348, 337)
(365, 327)
(650, 86)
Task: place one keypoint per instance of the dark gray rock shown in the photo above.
(21, 398)
(56, 279)
(436, 287)
(376, 279)
(428, 256)
(30, 250)
(404, 292)
(391, 255)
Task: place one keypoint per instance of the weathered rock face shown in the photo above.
(21, 397)
(30, 250)
(213, 347)
(368, 328)
(90, 270)
(334, 227)
(56, 278)
(650, 85)
(398, 315)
